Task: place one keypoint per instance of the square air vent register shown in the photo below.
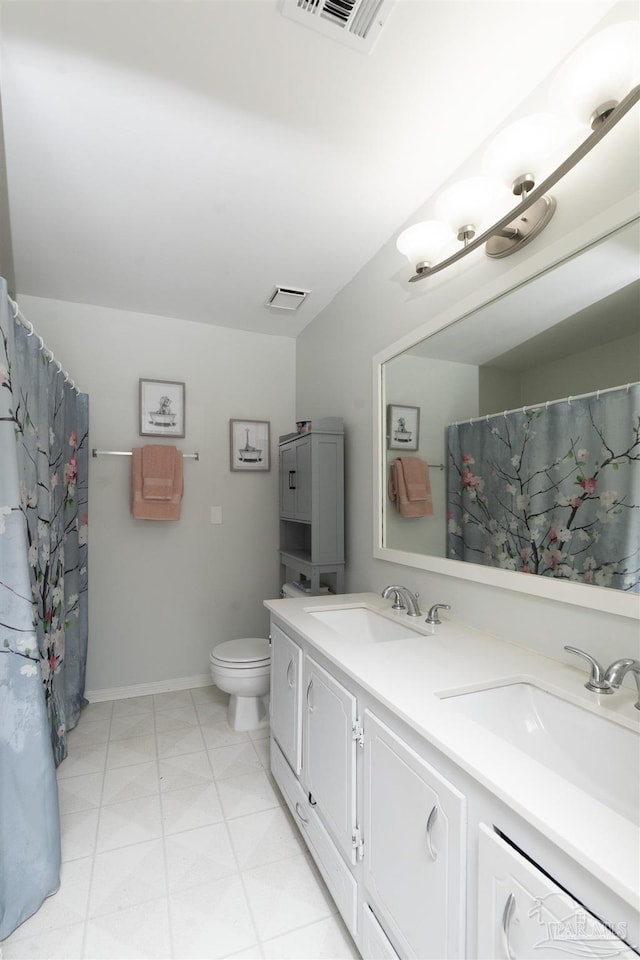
(356, 23)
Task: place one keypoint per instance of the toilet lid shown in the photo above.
(242, 650)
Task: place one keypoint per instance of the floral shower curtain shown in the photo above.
(554, 490)
(43, 608)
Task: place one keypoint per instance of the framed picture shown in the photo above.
(161, 408)
(249, 445)
(403, 427)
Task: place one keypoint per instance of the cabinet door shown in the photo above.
(286, 695)
(294, 461)
(335, 872)
(329, 753)
(413, 847)
(287, 480)
(302, 479)
(522, 913)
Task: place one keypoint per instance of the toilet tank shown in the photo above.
(290, 590)
(293, 590)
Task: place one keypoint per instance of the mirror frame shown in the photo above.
(583, 595)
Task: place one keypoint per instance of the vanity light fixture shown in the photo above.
(466, 210)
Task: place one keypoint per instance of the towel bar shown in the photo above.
(127, 453)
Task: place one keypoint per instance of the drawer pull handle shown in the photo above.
(507, 916)
(433, 816)
(309, 703)
(299, 812)
(290, 676)
(292, 481)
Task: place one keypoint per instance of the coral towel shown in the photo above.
(410, 488)
(156, 482)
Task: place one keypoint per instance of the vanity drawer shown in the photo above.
(375, 943)
(523, 913)
(335, 873)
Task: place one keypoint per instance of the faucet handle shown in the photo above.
(597, 682)
(432, 616)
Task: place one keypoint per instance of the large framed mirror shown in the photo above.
(571, 332)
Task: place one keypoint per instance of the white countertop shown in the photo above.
(409, 677)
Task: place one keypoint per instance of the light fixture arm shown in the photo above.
(537, 193)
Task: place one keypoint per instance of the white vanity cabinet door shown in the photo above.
(339, 879)
(329, 753)
(522, 913)
(414, 823)
(286, 696)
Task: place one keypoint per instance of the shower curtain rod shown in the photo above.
(546, 403)
(22, 320)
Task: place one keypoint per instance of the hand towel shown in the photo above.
(156, 495)
(410, 488)
(158, 472)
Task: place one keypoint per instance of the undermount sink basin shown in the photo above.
(360, 623)
(596, 754)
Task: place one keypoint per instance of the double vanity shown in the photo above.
(461, 796)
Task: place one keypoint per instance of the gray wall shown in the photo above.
(6, 252)
(445, 392)
(162, 594)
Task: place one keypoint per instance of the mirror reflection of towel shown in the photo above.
(156, 482)
(410, 488)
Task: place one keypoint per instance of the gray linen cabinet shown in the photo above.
(311, 479)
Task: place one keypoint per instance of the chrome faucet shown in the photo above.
(432, 616)
(618, 670)
(404, 599)
(606, 681)
(597, 682)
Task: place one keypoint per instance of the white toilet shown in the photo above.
(241, 668)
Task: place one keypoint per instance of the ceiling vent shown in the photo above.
(356, 23)
(286, 298)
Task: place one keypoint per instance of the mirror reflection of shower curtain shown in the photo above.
(43, 610)
(553, 490)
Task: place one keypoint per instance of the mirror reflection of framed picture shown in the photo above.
(249, 445)
(161, 408)
(403, 427)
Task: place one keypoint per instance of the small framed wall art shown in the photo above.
(161, 408)
(403, 427)
(249, 445)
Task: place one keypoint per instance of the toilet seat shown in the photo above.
(243, 652)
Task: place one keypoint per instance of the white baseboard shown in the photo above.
(146, 689)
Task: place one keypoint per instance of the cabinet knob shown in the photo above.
(431, 819)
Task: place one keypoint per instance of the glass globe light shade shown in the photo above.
(603, 68)
(477, 201)
(423, 242)
(536, 144)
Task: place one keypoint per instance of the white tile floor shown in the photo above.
(177, 844)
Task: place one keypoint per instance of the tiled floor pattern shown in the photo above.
(177, 844)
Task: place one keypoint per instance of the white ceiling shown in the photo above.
(182, 158)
